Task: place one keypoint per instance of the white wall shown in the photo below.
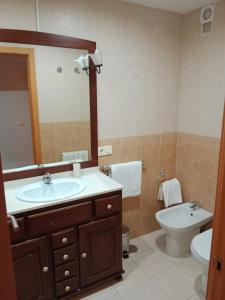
(62, 97)
(138, 87)
(202, 87)
(15, 141)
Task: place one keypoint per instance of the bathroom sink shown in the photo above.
(59, 189)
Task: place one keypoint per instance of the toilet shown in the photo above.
(201, 249)
(181, 224)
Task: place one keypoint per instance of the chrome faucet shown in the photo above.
(47, 178)
(195, 205)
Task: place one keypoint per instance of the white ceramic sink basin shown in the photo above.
(59, 189)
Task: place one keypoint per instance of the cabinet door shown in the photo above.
(100, 249)
(32, 270)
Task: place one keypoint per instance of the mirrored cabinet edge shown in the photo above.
(55, 40)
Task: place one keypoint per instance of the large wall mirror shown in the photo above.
(48, 105)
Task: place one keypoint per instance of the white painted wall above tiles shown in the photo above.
(138, 87)
(18, 14)
(62, 97)
(202, 87)
(138, 90)
(141, 49)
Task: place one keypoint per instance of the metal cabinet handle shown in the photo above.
(67, 273)
(65, 256)
(67, 288)
(13, 222)
(64, 240)
(84, 255)
(109, 206)
(45, 269)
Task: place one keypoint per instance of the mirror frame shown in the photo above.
(55, 40)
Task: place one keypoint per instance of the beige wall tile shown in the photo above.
(168, 147)
(139, 212)
(150, 151)
(197, 167)
(148, 221)
(131, 149)
(63, 137)
(116, 156)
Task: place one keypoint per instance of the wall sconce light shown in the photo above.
(83, 61)
(97, 59)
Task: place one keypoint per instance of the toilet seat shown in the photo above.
(201, 246)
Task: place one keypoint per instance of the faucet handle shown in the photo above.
(195, 205)
(47, 178)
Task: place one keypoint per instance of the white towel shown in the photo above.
(160, 193)
(129, 175)
(170, 191)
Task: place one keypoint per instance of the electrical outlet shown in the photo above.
(105, 150)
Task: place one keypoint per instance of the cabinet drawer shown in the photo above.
(107, 206)
(55, 219)
(63, 238)
(65, 271)
(64, 255)
(19, 235)
(66, 287)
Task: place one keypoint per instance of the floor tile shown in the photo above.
(194, 269)
(141, 245)
(176, 284)
(117, 297)
(155, 239)
(103, 294)
(198, 296)
(181, 259)
(132, 276)
(144, 291)
(153, 263)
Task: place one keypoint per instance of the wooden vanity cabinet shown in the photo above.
(31, 267)
(99, 247)
(68, 248)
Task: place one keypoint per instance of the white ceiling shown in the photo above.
(178, 6)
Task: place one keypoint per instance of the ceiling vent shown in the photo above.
(207, 18)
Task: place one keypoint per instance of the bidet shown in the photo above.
(181, 224)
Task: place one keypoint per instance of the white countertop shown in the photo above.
(96, 184)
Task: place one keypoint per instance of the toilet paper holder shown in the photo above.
(162, 175)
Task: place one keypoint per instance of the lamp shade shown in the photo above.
(83, 61)
(97, 58)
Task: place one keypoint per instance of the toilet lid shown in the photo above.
(201, 245)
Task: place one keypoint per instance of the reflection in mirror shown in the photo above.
(44, 106)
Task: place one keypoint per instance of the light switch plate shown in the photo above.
(105, 150)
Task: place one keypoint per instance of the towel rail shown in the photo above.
(106, 168)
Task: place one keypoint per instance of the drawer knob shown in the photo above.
(45, 269)
(65, 256)
(64, 240)
(109, 206)
(67, 288)
(84, 255)
(67, 273)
